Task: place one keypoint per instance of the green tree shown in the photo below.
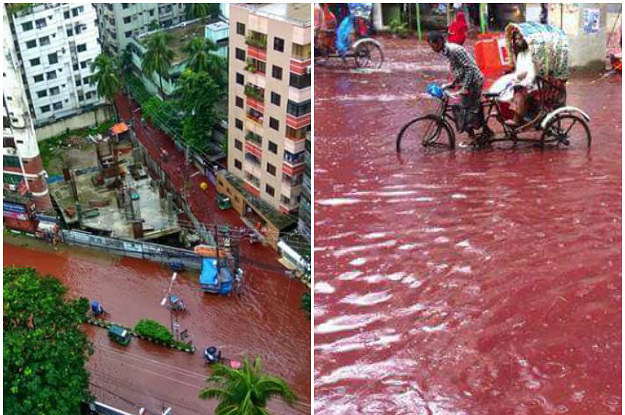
(153, 25)
(201, 59)
(197, 94)
(44, 349)
(158, 58)
(306, 304)
(105, 75)
(245, 391)
(201, 10)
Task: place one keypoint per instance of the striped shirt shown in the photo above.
(464, 68)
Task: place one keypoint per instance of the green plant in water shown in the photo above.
(154, 330)
(398, 28)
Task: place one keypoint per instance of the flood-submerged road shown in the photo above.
(265, 321)
(466, 283)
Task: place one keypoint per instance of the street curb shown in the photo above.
(106, 324)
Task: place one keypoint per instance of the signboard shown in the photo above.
(591, 20)
(184, 334)
(13, 207)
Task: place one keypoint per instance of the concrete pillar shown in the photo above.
(585, 25)
(378, 24)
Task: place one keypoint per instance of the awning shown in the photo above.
(119, 128)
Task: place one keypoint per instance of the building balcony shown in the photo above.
(254, 66)
(254, 138)
(255, 103)
(293, 169)
(255, 116)
(300, 65)
(254, 149)
(297, 122)
(299, 95)
(287, 208)
(294, 145)
(253, 169)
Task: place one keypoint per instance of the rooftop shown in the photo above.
(181, 34)
(294, 13)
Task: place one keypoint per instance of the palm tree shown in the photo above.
(201, 10)
(158, 58)
(245, 391)
(105, 75)
(200, 58)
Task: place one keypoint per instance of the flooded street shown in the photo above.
(265, 321)
(466, 282)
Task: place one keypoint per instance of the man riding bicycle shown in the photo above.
(468, 76)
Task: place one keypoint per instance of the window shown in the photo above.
(275, 99)
(81, 48)
(270, 190)
(55, 91)
(300, 81)
(53, 58)
(278, 44)
(128, 34)
(27, 26)
(240, 54)
(38, 78)
(238, 124)
(44, 41)
(273, 147)
(57, 105)
(276, 72)
(273, 123)
(40, 23)
(77, 11)
(78, 82)
(51, 75)
(75, 66)
(66, 14)
(239, 102)
(31, 44)
(151, 13)
(88, 95)
(238, 144)
(127, 19)
(238, 164)
(240, 28)
(240, 79)
(83, 65)
(298, 109)
(42, 93)
(35, 62)
(81, 97)
(125, 6)
(70, 32)
(271, 169)
(85, 80)
(45, 108)
(11, 161)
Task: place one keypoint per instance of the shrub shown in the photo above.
(154, 330)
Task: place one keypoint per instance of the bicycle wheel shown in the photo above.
(429, 131)
(368, 55)
(567, 129)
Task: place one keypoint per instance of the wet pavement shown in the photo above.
(468, 282)
(265, 321)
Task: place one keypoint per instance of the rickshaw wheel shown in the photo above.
(567, 129)
(429, 131)
(368, 55)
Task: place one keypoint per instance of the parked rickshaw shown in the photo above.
(348, 40)
(212, 355)
(176, 303)
(119, 335)
(223, 202)
(97, 310)
(550, 121)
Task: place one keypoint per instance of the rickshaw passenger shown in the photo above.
(465, 71)
(517, 86)
(345, 35)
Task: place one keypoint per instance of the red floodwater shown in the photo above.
(265, 321)
(467, 283)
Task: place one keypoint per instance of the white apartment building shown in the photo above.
(22, 170)
(56, 43)
(120, 22)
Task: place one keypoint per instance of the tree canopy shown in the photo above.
(44, 350)
(105, 75)
(245, 391)
(201, 59)
(158, 58)
(201, 10)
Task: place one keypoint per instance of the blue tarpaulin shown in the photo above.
(214, 280)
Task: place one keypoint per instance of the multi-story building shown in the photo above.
(120, 22)
(269, 106)
(22, 170)
(304, 203)
(56, 43)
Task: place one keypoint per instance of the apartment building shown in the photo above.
(56, 43)
(120, 22)
(304, 221)
(22, 171)
(269, 107)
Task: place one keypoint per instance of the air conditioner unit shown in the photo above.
(308, 71)
(12, 187)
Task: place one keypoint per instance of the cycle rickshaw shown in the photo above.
(549, 122)
(348, 40)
